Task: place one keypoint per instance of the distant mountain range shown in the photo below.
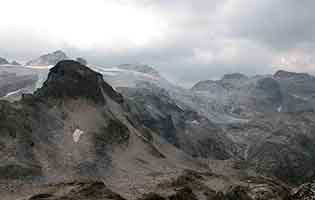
(73, 131)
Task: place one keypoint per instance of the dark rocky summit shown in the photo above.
(69, 79)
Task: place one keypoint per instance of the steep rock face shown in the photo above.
(69, 79)
(267, 95)
(299, 90)
(17, 158)
(48, 59)
(185, 129)
(279, 145)
(239, 96)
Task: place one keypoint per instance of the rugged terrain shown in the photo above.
(138, 136)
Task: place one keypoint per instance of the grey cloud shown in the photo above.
(205, 39)
(281, 24)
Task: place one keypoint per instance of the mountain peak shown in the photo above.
(70, 79)
(3, 61)
(48, 59)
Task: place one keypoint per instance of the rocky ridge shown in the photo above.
(144, 139)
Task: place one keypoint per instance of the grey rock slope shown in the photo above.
(278, 126)
(186, 129)
(240, 96)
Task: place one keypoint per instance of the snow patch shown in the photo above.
(77, 134)
(39, 66)
(12, 93)
(279, 109)
(195, 122)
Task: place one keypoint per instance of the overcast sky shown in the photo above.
(187, 40)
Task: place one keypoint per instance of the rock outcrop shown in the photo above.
(70, 79)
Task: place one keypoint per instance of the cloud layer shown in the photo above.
(186, 40)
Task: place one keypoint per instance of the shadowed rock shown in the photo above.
(70, 79)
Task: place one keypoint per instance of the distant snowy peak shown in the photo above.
(3, 61)
(48, 59)
(140, 68)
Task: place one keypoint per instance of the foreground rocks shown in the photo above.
(77, 191)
